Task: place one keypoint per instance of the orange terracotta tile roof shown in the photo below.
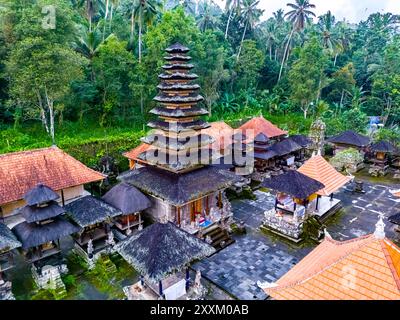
(134, 153)
(320, 169)
(259, 125)
(366, 268)
(222, 134)
(21, 171)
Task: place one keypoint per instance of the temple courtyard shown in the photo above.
(258, 256)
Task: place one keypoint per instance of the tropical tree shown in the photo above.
(144, 12)
(91, 8)
(233, 7)
(250, 15)
(207, 18)
(298, 16)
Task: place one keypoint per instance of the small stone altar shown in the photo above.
(5, 291)
(49, 277)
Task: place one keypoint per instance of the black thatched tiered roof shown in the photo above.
(179, 189)
(178, 114)
(35, 213)
(301, 140)
(261, 138)
(383, 146)
(162, 249)
(178, 143)
(395, 219)
(8, 241)
(285, 147)
(294, 183)
(88, 210)
(39, 195)
(33, 234)
(193, 111)
(350, 138)
(127, 198)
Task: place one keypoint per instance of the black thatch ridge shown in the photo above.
(264, 155)
(88, 210)
(178, 127)
(179, 113)
(161, 249)
(179, 143)
(35, 213)
(350, 138)
(174, 162)
(127, 199)
(395, 219)
(223, 163)
(178, 66)
(8, 241)
(33, 235)
(178, 87)
(39, 195)
(177, 57)
(261, 138)
(192, 98)
(285, 147)
(177, 48)
(261, 147)
(294, 183)
(301, 140)
(179, 189)
(178, 76)
(383, 146)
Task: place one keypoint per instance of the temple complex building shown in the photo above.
(365, 268)
(176, 174)
(22, 171)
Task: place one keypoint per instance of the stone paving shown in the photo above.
(259, 257)
(237, 268)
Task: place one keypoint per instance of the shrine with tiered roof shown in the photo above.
(175, 168)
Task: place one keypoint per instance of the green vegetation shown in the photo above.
(83, 74)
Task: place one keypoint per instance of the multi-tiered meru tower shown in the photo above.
(179, 146)
(176, 175)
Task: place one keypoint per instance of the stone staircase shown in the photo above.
(219, 238)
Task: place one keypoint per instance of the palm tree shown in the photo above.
(144, 12)
(206, 19)
(91, 7)
(233, 6)
(250, 15)
(269, 34)
(279, 17)
(298, 16)
(88, 44)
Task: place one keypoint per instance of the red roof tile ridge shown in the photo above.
(307, 277)
(386, 242)
(4, 155)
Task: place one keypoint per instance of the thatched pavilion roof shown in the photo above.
(161, 249)
(40, 194)
(383, 146)
(33, 235)
(294, 183)
(127, 199)
(261, 138)
(350, 138)
(8, 241)
(301, 140)
(88, 210)
(34, 213)
(285, 147)
(179, 189)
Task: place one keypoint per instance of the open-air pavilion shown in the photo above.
(162, 253)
